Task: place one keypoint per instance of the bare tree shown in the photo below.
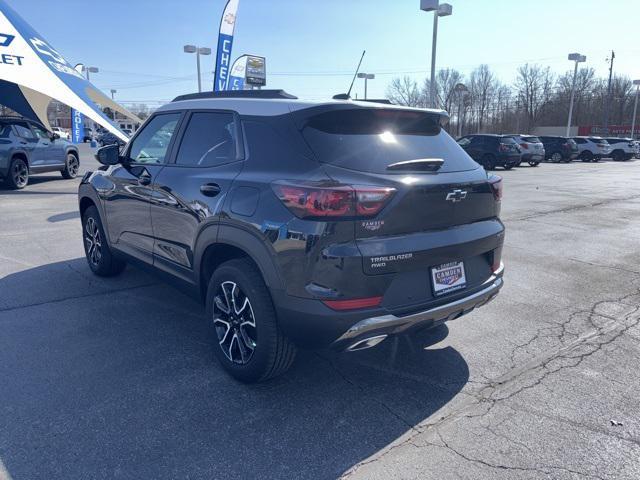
(404, 91)
(483, 87)
(534, 89)
(446, 81)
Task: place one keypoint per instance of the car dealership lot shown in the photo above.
(116, 378)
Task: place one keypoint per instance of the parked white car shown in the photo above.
(592, 149)
(62, 133)
(622, 148)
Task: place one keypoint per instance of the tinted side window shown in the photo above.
(5, 131)
(24, 131)
(40, 132)
(151, 145)
(209, 140)
(579, 141)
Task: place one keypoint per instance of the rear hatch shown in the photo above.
(443, 207)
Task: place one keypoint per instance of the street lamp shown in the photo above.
(113, 92)
(367, 77)
(90, 70)
(198, 51)
(635, 108)
(439, 10)
(460, 89)
(577, 58)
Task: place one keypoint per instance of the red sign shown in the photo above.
(614, 130)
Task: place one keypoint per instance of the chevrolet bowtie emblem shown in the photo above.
(456, 196)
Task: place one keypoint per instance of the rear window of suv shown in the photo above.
(369, 140)
(531, 139)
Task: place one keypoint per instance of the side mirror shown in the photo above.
(53, 136)
(108, 155)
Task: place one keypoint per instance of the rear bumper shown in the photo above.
(310, 323)
(392, 324)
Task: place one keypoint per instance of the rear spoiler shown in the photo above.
(301, 116)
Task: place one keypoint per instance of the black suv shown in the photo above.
(315, 224)
(26, 147)
(559, 149)
(491, 151)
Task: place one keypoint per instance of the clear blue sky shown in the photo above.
(312, 45)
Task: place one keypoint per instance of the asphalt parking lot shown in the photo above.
(115, 378)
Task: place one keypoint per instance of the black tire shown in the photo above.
(556, 157)
(508, 166)
(71, 166)
(18, 176)
(488, 162)
(534, 164)
(259, 350)
(586, 156)
(99, 256)
(618, 156)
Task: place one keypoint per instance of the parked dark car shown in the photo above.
(559, 149)
(491, 151)
(26, 148)
(531, 148)
(299, 224)
(89, 136)
(108, 138)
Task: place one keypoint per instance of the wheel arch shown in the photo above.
(21, 155)
(217, 245)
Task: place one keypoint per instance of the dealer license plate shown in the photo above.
(448, 277)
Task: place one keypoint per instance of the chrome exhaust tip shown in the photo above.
(366, 343)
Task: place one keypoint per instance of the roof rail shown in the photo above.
(386, 101)
(273, 94)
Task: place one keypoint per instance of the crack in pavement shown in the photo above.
(537, 369)
(74, 297)
(573, 208)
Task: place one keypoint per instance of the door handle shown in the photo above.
(144, 179)
(210, 189)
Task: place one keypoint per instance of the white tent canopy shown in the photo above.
(32, 73)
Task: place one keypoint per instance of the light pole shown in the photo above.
(439, 10)
(367, 77)
(635, 107)
(198, 51)
(577, 58)
(113, 92)
(90, 70)
(460, 89)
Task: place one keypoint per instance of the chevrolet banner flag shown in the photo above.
(32, 73)
(225, 42)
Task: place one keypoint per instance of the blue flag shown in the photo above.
(225, 43)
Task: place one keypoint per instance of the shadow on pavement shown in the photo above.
(61, 217)
(116, 378)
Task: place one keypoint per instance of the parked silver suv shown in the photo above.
(592, 149)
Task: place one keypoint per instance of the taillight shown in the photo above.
(603, 145)
(353, 304)
(503, 147)
(312, 200)
(525, 146)
(496, 186)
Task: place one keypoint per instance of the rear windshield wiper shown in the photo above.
(420, 164)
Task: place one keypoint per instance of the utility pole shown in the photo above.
(608, 103)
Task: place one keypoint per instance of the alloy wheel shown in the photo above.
(235, 323)
(94, 242)
(20, 174)
(73, 165)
